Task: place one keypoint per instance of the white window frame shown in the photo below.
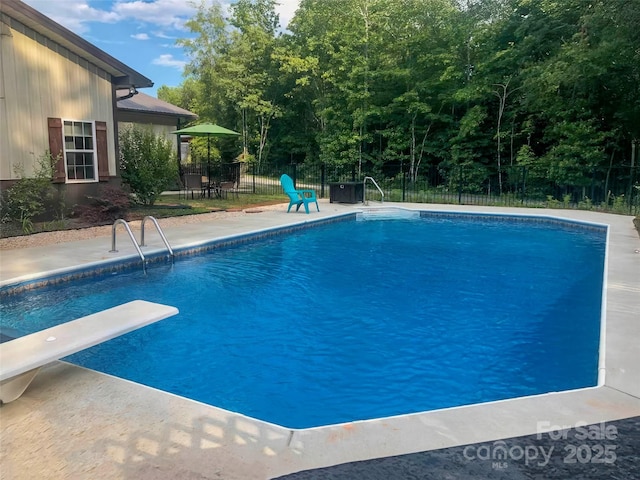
(66, 150)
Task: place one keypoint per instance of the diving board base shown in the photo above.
(21, 358)
(13, 388)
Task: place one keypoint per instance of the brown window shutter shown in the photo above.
(101, 147)
(55, 148)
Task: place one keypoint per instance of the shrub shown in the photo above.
(552, 202)
(585, 204)
(28, 197)
(110, 204)
(147, 163)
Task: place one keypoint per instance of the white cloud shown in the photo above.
(166, 13)
(161, 34)
(167, 60)
(102, 41)
(73, 14)
(77, 15)
(286, 9)
(140, 36)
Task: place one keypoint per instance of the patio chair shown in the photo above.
(193, 182)
(298, 197)
(228, 187)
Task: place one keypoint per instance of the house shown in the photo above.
(63, 95)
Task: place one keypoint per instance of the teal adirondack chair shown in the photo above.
(298, 197)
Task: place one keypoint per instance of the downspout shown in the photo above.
(116, 124)
(132, 91)
(116, 134)
(179, 147)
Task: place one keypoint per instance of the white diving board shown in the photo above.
(21, 358)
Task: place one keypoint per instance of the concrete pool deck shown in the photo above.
(77, 423)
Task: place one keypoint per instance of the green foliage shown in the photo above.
(545, 84)
(618, 204)
(526, 156)
(578, 148)
(202, 150)
(29, 197)
(184, 96)
(552, 202)
(585, 204)
(110, 204)
(147, 163)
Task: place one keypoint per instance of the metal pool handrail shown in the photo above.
(164, 239)
(364, 189)
(133, 239)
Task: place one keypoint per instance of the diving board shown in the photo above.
(21, 358)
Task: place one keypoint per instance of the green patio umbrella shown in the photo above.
(207, 130)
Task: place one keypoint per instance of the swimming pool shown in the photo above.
(381, 332)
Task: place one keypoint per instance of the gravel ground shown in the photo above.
(62, 236)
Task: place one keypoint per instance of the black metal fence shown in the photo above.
(615, 189)
(225, 172)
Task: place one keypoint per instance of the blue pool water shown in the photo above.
(355, 319)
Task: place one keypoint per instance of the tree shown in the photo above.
(501, 91)
(325, 54)
(416, 62)
(210, 41)
(373, 85)
(233, 70)
(184, 96)
(249, 70)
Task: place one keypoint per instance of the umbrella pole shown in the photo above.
(208, 166)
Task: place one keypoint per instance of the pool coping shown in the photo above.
(249, 448)
(60, 275)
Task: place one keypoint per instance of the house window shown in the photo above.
(79, 151)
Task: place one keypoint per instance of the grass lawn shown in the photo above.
(173, 205)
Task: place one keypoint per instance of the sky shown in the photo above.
(141, 34)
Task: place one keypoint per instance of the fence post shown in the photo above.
(524, 184)
(322, 179)
(632, 173)
(460, 186)
(253, 178)
(632, 180)
(294, 172)
(404, 186)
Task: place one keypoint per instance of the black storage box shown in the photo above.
(346, 192)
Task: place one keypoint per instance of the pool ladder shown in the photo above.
(133, 238)
(364, 190)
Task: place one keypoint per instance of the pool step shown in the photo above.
(386, 213)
